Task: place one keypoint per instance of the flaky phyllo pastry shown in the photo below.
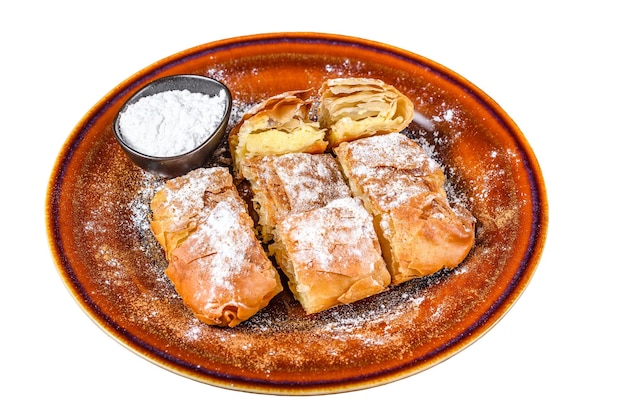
(279, 125)
(216, 264)
(322, 239)
(403, 188)
(352, 108)
(291, 183)
(345, 203)
(331, 255)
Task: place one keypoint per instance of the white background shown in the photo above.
(557, 68)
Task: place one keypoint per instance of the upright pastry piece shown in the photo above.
(276, 126)
(420, 233)
(291, 183)
(216, 264)
(352, 108)
(331, 255)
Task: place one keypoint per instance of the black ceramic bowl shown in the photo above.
(173, 166)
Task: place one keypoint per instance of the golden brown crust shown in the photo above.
(426, 235)
(352, 108)
(402, 187)
(280, 124)
(216, 264)
(337, 243)
(331, 255)
(322, 239)
(291, 183)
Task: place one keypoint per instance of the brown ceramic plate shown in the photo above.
(97, 208)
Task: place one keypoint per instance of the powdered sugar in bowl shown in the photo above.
(173, 124)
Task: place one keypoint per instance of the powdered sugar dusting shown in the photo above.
(332, 238)
(222, 228)
(310, 181)
(390, 168)
(390, 150)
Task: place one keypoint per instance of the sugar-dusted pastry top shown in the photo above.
(403, 188)
(389, 170)
(346, 205)
(352, 108)
(331, 255)
(280, 124)
(291, 183)
(216, 264)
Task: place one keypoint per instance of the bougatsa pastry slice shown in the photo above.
(331, 255)
(403, 188)
(216, 264)
(352, 108)
(291, 183)
(280, 124)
